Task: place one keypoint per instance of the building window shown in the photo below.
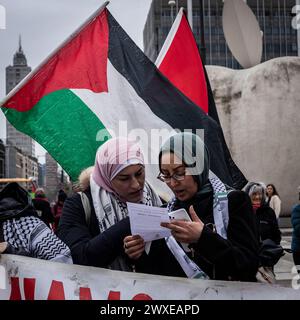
(212, 12)
(268, 30)
(166, 13)
(277, 48)
(222, 47)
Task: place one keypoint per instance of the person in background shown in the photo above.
(23, 233)
(42, 206)
(57, 208)
(295, 219)
(265, 216)
(31, 193)
(268, 231)
(273, 199)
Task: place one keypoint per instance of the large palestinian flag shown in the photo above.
(99, 83)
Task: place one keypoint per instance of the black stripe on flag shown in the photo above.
(167, 102)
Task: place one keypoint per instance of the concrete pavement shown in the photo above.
(285, 269)
(285, 226)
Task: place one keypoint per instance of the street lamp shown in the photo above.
(202, 40)
(202, 47)
(172, 4)
(190, 13)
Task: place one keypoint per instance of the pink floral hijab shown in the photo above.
(112, 157)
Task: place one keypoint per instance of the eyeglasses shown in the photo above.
(176, 176)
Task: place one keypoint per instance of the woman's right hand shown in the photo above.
(3, 247)
(134, 246)
(186, 231)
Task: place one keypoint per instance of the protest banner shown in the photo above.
(23, 278)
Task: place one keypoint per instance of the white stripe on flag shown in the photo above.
(122, 103)
(167, 44)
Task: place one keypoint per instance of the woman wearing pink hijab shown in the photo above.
(102, 237)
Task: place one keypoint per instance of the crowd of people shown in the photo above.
(226, 238)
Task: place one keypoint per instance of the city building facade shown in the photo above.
(18, 164)
(14, 74)
(275, 18)
(2, 159)
(51, 178)
(42, 174)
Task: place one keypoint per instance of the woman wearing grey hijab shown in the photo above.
(220, 242)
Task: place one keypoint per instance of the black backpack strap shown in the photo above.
(1, 232)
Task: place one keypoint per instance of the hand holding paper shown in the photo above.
(145, 221)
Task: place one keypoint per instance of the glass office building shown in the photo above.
(274, 16)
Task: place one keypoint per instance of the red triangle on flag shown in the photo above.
(179, 60)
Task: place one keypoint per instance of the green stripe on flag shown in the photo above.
(56, 123)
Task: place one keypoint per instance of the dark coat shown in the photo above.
(267, 224)
(89, 246)
(233, 259)
(27, 235)
(295, 219)
(43, 209)
(14, 204)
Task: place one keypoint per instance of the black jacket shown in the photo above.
(14, 204)
(25, 234)
(89, 246)
(43, 209)
(233, 259)
(267, 224)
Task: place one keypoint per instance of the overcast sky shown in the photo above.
(44, 24)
